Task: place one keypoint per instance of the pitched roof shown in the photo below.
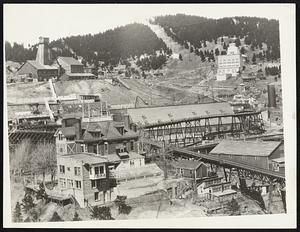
(80, 75)
(69, 60)
(279, 160)
(87, 158)
(151, 115)
(187, 164)
(37, 65)
(246, 148)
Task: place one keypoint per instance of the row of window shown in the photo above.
(77, 170)
(69, 183)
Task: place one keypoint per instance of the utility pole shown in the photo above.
(165, 162)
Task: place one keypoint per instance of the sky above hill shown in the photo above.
(25, 23)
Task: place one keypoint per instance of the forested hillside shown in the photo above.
(197, 30)
(110, 46)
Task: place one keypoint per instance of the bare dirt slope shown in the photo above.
(28, 92)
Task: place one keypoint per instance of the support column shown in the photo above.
(270, 197)
(225, 174)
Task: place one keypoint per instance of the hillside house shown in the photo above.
(102, 137)
(256, 153)
(86, 177)
(190, 169)
(215, 189)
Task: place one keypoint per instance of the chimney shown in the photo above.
(78, 129)
(43, 53)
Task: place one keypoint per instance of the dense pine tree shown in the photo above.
(17, 215)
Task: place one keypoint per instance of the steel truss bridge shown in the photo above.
(189, 131)
(33, 136)
(179, 138)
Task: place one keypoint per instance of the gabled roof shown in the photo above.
(246, 148)
(187, 164)
(39, 66)
(87, 158)
(69, 60)
(108, 129)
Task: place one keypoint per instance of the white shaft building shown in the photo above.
(229, 64)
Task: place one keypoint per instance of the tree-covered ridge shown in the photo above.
(110, 46)
(197, 30)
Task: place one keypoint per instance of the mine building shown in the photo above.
(86, 177)
(72, 69)
(255, 153)
(229, 64)
(41, 68)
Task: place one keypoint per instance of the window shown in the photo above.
(96, 170)
(96, 195)
(131, 163)
(101, 169)
(62, 182)
(78, 184)
(82, 147)
(70, 183)
(140, 162)
(61, 150)
(68, 168)
(106, 148)
(77, 171)
(60, 136)
(62, 169)
(131, 145)
(93, 184)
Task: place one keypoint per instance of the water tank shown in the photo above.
(271, 95)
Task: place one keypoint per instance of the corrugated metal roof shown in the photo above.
(246, 148)
(167, 113)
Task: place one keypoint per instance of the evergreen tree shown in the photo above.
(180, 57)
(254, 58)
(17, 215)
(121, 204)
(243, 50)
(237, 42)
(191, 49)
(224, 46)
(101, 213)
(233, 206)
(217, 52)
(76, 217)
(222, 40)
(27, 202)
(56, 218)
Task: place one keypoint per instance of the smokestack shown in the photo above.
(43, 53)
(271, 95)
